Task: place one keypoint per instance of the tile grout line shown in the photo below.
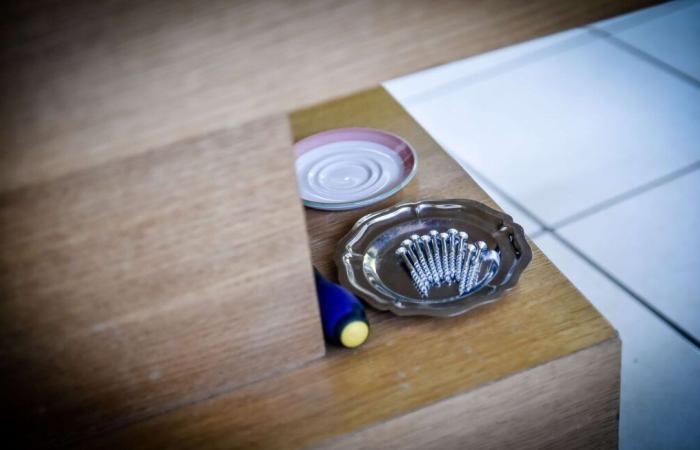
(553, 50)
(538, 233)
(651, 308)
(546, 229)
(671, 7)
(504, 67)
(470, 169)
(612, 201)
(634, 51)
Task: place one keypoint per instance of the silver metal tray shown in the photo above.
(367, 264)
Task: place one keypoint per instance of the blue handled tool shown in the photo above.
(342, 314)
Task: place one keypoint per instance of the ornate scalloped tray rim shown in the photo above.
(504, 231)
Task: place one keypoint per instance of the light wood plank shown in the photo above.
(408, 364)
(87, 82)
(153, 282)
(529, 410)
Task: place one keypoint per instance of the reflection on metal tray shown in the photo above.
(368, 264)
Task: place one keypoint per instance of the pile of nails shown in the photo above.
(437, 259)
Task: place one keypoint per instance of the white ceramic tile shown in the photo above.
(568, 131)
(660, 393)
(629, 20)
(411, 87)
(651, 243)
(519, 216)
(670, 32)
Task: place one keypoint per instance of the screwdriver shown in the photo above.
(342, 314)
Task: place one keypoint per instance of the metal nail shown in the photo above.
(471, 250)
(402, 252)
(435, 277)
(415, 239)
(459, 259)
(446, 277)
(434, 238)
(475, 269)
(453, 253)
(408, 245)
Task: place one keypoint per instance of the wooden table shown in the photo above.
(539, 368)
(126, 127)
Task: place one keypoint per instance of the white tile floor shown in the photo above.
(591, 140)
(660, 389)
(659, 32)
(663, 271)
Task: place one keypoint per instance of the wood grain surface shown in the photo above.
(84, 82)
(119, 261)
(409, 364)
(152, 282)
(532, 410)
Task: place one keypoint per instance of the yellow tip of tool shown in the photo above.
(354, 334)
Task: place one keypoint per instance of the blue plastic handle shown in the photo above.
(339, 308)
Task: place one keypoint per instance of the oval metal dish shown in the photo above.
(368, 266)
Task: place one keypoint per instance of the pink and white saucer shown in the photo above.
(349, 168)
